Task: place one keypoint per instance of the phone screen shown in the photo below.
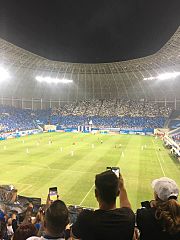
(53, 193)
(116, 170)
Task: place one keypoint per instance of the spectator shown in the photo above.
(25, 231)
(24, 219)
(55, 222)
(39, 219)
(10, 231)
(108, 222)
(161, 220)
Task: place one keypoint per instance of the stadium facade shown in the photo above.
(123, 79)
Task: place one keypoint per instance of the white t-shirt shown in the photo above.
(42, 238)
(10, 230)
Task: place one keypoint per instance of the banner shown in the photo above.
(50, 128)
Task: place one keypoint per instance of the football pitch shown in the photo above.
(70, 161)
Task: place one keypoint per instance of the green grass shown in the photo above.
(46, 165)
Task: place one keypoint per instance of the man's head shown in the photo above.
(25, 231)
(107, 187)
(56, 218)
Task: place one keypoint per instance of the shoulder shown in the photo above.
(86, 214)
(118, 211)
(124, 211)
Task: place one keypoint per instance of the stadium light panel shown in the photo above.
(4, 74)
(149, 78)
(164, 76)
(52, 80)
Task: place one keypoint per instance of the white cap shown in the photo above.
(165, 188)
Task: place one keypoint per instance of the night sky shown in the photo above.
(89, 31)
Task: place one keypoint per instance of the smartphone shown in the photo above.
(116, 170)
(53, 193)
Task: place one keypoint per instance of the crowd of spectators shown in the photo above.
(12, 118)
(111, 113)
(112, 122)
(158, 219)
(103, 113)
(113, 107)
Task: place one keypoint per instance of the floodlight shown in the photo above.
(53, 80)
(149, 78)
(164, 76)
(4, 74)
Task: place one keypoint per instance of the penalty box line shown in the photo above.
(86, 194)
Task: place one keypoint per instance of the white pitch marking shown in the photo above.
(159, 161)
(86, 195)
(24, 189)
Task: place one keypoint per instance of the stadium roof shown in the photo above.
(103, 80)
(89, 31)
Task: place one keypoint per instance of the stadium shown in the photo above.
(62, 123)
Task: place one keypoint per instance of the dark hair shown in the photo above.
(56, 218)
(168, 214)
(107, 186)
(25, 231)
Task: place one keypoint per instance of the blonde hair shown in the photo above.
(168, 214)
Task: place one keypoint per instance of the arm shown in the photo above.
(72, 236)
(27, 218)
(136, 234)
(14, 222)
(124, 201)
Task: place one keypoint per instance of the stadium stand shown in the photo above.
(174, 120)
(115, 113)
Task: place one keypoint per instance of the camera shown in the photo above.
(145, 204)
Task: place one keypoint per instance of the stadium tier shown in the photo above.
(116, 114)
